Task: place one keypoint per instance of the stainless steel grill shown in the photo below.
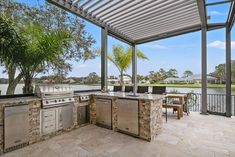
(55, 95)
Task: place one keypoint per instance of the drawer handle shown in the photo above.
(46, 127)
(102, 121)
(103, 101)
(48, 116)
(127, 128)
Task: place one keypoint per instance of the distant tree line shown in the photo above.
(158, 76)
(40, 39)
(220, 72)
(91, 78)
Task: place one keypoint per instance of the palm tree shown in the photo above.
(10, 42)
(31, 50)
(122, 58)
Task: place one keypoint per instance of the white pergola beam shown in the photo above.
(67, 5)
(133, 21)
(127, 12)
(149, 32)
(161, 21)
(75, 2)
(147, 13)
(169, 34)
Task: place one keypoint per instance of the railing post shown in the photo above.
(104, 59)
(204, 70)
(228, 72)
(134, 68)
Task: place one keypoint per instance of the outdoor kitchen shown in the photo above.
(116, 78)
(56, 109)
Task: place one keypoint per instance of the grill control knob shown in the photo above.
(47, 102)
(55, 100)
(62, 99)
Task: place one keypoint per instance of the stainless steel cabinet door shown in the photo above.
(16, 126)
(103, 112)
(83, 114)
(128, 119)
(66, 116)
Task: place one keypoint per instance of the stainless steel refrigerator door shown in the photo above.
(128, 119)
(104, 112)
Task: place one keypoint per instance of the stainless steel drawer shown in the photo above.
(48, 115)
(48, 127)
(128, 119)
(104, 112)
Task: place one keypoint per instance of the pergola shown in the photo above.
(140, 21)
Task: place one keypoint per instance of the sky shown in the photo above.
(181, 52)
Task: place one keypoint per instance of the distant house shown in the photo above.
(197, 79)
(175, 80)
(127, 80)
(191, 79)
(48, 81)
(69, 81)
(113, 80)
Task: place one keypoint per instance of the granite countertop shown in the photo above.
(18, 100)
(124, 95)
(86, 93)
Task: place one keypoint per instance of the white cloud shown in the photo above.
(217, 44)
(220, 44)
(215, 13)
(157, 46)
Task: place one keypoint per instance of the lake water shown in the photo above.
(3, 88)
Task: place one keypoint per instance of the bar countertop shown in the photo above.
(138, 96)
(18, 100)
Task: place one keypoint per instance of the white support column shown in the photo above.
(104, 59)
(204, 71)
(134, 68)
(228, 72)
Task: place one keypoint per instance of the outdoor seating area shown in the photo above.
(196, 135)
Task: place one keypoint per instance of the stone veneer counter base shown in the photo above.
(34, 118)
(150, 112)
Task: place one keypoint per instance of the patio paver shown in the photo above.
(195, 135)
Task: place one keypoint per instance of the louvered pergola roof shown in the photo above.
(139, 21)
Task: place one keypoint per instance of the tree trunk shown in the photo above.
(28, 87)
(121, 80)
(12, 80)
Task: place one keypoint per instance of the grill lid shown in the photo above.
(53, 91)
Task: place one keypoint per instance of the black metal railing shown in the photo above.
(216, 104)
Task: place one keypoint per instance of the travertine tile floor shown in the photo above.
(195, 135)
